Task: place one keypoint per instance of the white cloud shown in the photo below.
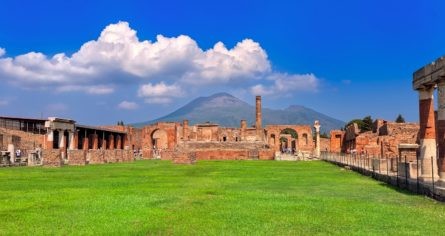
(163, 68)
(160, 93)
(90, 89)
(284, 84)
(126, 105)
(158, 100)
(2, 52)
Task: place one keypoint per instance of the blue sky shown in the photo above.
(347, 59)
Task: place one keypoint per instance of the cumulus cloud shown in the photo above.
(163, 68)
(2, 52)
(126, 105)
(160, 93)
(284, 83)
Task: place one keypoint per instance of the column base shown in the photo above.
(429, 178)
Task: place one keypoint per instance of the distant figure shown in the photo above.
(18, 153)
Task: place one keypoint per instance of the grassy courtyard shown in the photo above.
(213, 197)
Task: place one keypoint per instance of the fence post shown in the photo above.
(388, 179)
(432, 174)
(406, 174)
(397, 175)
(417, 175)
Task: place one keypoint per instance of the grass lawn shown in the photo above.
(211, 197)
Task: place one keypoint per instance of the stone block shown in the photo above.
(77, 157)
(184, 157)
(95, 157)
(380, 165)
(52, 157)
(408, 169)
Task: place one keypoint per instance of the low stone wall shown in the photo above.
(266, 154)
(222, 155)
(95, 157)
(77, 157)
(51, 157)
(184, 157)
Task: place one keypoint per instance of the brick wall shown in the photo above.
(51, 157)
(77, 157)
(96, 157)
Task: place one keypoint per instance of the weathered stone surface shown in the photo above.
(184, 157)
(51, 157)
(96, 157)
(77, 157)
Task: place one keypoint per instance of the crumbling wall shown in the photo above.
(77, 157)
(51, 157)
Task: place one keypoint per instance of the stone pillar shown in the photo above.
(11, 150)
(427, 134)
(317, 138)
(441, 129)
(85, 143)
(104, 143)
(258, 112)
(185, 130)
(111, 142)
(118, 142)
(73, 140)
(95, 140)
(243, 129)
(49, 139)
(62, 143)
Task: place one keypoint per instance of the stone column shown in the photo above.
(111, 142)
(72, 137)
(62, 143)
(85, 143)
(62, 139)
(185, 130)
(258, 120)
(441, 129)
(118, 142)
(11, 150)
(49, 139)
(427, 134)
(317, 138)
(95, 140)
(243, 129)
(104, 143)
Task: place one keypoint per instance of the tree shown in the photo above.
(324, 135)
(368, 124)
(400, 119)
(292, 132)
(365, 124)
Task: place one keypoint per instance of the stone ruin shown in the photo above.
(64, 142)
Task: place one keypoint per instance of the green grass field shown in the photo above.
(211, 197)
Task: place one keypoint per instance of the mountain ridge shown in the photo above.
(228, 110)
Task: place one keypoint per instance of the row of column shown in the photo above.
(429, 152)
(73, 138)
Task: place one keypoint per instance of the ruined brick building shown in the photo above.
(383, 141)
(63, 141)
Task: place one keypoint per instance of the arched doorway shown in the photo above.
(292, 139)
(284, 144)
(160, 139)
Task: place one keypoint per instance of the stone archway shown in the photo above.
(159, 138)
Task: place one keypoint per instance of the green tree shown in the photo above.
(365, 124)
(292, 132)
(400, 119)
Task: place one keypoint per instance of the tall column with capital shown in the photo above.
(317, 138)
(427, 134)
(441, 129)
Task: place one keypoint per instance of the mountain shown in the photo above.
(227, 111)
